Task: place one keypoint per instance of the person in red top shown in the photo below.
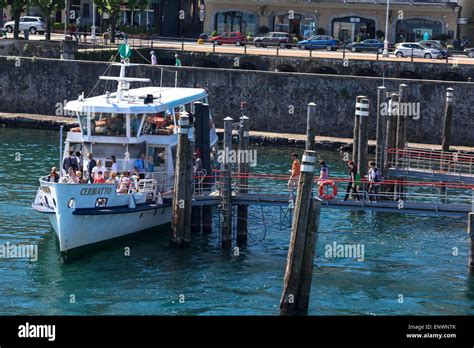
(295, 173)
(99, 178)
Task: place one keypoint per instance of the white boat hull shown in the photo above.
(82, 223)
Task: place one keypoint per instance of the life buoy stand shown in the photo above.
(328, 196)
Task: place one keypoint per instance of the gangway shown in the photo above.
(431, 165)
(417, 197)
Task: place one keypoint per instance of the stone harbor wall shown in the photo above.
(276, 101)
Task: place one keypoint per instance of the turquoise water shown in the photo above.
(404, 255)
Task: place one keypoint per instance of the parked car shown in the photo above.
(319, 41)
(436, 45)
(231, 38)
(283, 40)
(407, 49)
(33, 24)
(370, 45)
(469, 52)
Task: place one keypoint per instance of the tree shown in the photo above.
(17, 8)
(48, 8)
(112, 7)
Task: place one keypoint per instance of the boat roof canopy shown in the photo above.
(164, 98)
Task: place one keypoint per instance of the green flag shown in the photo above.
(124, 51)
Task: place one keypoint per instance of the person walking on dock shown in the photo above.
(178, 61)
(323, 172)
(375, 177)
(153, 58)
(354, 180)
(295, 173)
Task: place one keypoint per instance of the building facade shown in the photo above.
(347, 20)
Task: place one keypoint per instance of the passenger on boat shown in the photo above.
(124, 184)
(90, 165)
(113, 168)
(99, 178)
(141, 165)
(98, 168)
(113, 179)
(80, 160)
(70, 178)
(53, 176)
(70, 162)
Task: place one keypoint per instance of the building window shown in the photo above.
(353, 29)
(299, 26)
(418, 29)
(236, 21)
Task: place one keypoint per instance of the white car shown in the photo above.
(33, 24)
(407, 49)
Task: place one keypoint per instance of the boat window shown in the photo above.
(159, 124)
(135, 120)
(108, 124)
(157, 157)
(101, 202)
(83, 122)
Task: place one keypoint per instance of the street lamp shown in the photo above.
(93, 21)
(385, 43)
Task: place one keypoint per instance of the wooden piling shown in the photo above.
(363, 112)
(355, 137)
(470, 231)
(180, 222)
(298, 274)
(380, 130)
(226, 193)
(244, 168)
(311, 127)
(401, 123)
(196, 219)
(188, 193)
(206, 165)
(448, 114)
(391, 137)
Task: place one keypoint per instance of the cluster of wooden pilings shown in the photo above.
(186, 218)
(391, 133)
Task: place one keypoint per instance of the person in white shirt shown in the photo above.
(98, 168)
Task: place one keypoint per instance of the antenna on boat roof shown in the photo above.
(161, 83)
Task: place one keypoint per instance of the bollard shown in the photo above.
(226, 189)
(180, 222)
(380, 130)
(363, 113)
(244, 166)
(298, 273)
(355, 137)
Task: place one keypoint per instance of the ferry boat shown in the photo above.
(124, 124)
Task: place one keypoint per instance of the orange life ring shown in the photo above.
(328, 196)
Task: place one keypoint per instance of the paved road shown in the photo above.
(272, 51)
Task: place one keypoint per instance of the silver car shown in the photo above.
(407, 49)
(32, 24)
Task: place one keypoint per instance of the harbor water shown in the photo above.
(412, 265)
